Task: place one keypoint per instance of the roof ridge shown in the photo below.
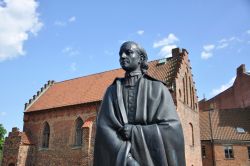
(38, 94)
(97, 73)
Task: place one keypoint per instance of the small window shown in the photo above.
(203, 151)
(228, 152)
(162, 61)
(248, 150)
(78, 132)
(240, 130)
(46, 134)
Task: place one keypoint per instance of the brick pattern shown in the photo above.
(17, 148)
(237, 96)
(207, 160)
(240, 156)
(188, 112)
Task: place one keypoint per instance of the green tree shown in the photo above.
(2, 133)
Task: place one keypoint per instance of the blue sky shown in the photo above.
(59, 40)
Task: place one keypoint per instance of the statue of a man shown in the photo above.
(137, 124)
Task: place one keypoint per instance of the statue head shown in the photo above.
(133, 57)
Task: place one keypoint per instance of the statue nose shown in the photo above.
(124, 55)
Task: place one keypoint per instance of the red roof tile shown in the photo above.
(224, 124)
(91, 88)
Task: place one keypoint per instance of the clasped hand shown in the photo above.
(125, 131)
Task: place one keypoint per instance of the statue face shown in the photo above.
(129, 57)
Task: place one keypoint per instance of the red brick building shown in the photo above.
(59, 121)
(225, 124)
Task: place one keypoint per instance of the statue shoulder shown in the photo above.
(117, 79)
(148, 77)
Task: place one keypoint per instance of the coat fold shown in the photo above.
(157, 137)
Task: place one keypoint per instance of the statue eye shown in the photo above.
(129, 52)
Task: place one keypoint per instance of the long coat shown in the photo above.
(157, 137)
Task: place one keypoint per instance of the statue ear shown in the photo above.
(141, 58)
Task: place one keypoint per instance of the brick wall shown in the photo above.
(207, 159)
(187, 108)
(14, 150)
(237, 96)
(61, 150)
(240, 156)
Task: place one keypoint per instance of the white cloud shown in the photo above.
(248, 31)
(71, 51)
(73, 66)
(206, 55)
(18, 19)
(223, 87)
(171, 39)
(166, 45)
(140, 32)
(72, 19)
(60, 23)
(222, 40)
(207, 52)
(64, 23)
(208, 47)
(166, 51)
(2, 113)
(222, 45)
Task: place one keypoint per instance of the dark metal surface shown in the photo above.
(153, 135)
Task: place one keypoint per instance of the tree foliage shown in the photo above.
(2, 133)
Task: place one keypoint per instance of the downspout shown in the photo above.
(212, 138)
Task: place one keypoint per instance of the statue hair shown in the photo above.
(142, 53)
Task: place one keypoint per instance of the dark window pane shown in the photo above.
(228, 152)
(203, 150)
(78, 132)
(46, 134)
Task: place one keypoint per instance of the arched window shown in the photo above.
(193, 98)
(179, 93)
(192, 134)
(186, 83)
(46, 134)
(184, 90)
(190, 93)
(78, 132)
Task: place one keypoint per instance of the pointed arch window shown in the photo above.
(46, 134)
(78, 132)
(192, 134)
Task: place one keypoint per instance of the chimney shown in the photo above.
(15, 129)
(176, 52)
(241, 69)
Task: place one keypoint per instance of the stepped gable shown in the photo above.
(224, 124)
(25, 139)
(91, 88)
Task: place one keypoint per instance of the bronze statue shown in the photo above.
(137, 124)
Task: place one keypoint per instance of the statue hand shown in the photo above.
(131, 161)
(125, 131)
